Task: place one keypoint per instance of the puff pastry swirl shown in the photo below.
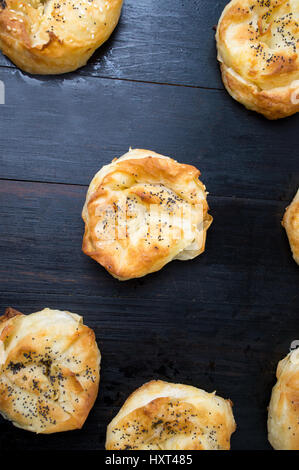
(49, 370)
(257, 43)
(51, 37)
(142, 211)
(283, 425)
(166, 416)
(291, 223)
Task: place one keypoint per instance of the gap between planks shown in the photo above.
(104, 77)
(211, 196)
(159, 300)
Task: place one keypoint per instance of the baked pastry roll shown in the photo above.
(49, 370)
(50, 37)
(257, 43)
(283, 423)
(142, 211)
(291, 223)
(166, 416)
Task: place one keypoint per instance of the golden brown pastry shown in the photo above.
(291, 224)
(49, 370)
(166, 416)
(51, 37)
(258, 46)
(283, 422)
(142, 211)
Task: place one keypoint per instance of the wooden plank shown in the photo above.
(170, 41)
(70, 127)
(219, 322)
(41, 233)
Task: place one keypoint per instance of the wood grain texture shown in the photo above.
(219, 322)
(169, 41)
(41, 228)
(70, 127)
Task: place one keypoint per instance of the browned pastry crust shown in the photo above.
(50, 37)
(49, 370)
(283, 423)
(257, 43)
(166, 416)
(291, 224)
(142, 211)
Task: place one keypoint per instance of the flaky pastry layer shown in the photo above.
(257, 42)
(283, 424)
(291, 223)
(142, 211)
(49, 370)
(166, 416)
(51, 37)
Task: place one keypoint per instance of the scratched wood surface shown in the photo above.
(220, 322)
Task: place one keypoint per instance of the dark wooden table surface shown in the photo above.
(220, 322)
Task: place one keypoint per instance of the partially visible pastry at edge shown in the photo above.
(258, 46)
(142, 211)
(50, 37)
(49, 370)
(166, 416)
(291, 224)
(283, 413)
